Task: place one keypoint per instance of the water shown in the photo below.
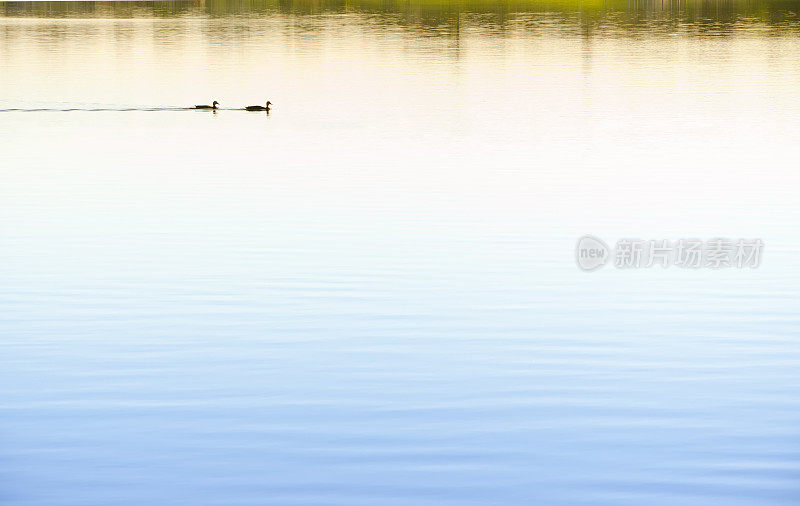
(369, 296)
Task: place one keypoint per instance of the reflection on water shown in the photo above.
(369, 296)
(625, 15)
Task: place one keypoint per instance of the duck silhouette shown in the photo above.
(258, 107)
(212, 106)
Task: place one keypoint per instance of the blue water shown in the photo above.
(370, 295)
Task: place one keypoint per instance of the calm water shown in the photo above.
(369, 296)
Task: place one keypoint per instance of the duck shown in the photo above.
(258, 107)
(212, 106)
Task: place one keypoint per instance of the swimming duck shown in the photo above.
(258, 107)
(212, 106)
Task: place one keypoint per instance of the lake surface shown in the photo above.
(370, 296)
